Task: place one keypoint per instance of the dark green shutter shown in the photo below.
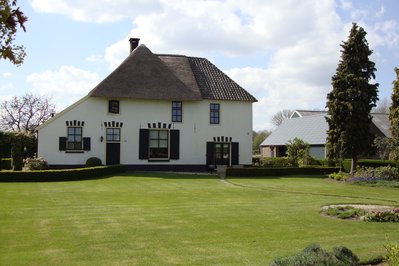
(86, 144)
(234, 153)
(210, 153)
(62, 143)
(174, 144)
(143, 143)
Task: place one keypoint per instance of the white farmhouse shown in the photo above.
(155, 112)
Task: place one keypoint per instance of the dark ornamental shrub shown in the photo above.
(93, 161)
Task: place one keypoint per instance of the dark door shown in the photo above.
(113, 155)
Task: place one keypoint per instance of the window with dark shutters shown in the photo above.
(143, 144)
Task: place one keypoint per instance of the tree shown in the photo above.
(25, 113)
(384, 147)
(394, 110)
(10, 18)
(280, 116)
(351, 100)
(258, 138)
(298, 152)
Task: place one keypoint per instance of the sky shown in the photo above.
(284, 52)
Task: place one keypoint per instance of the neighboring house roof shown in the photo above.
(302, 113)
(144, 75)
(313, 128)
(381, 121)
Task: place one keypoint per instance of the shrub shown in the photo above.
(275, 162)
(383, 216)
(278, 171)
(392, 256)
(387, 172)
(339, 176)
(6, 164)
(298, 152)
(93, 161)
(59, 175)
(315, 255)
(384, 172)
(35, 164)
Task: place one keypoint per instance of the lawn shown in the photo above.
(163, 219)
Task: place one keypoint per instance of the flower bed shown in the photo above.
(368, 213)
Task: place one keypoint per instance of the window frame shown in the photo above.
(76, 145)
(112, 139)
(114, 106)
(214, 113)
(177, 106)
(155, 149)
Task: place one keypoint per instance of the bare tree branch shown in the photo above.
(25, 113)
(280, 116)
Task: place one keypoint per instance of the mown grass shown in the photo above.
(166, 219)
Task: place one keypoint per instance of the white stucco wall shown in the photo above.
(195, 130)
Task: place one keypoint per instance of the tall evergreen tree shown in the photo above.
(394, 110)
(351, 100)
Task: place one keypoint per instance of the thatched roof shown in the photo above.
(144, 75)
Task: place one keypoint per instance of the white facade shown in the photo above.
(195, 130)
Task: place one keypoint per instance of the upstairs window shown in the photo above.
(113, 106)
(177, 111)
(159, 144)
(214, 113)
(74, 138)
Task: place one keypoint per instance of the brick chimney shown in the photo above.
(134, 42)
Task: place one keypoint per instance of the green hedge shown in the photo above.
(59, 175)
(368, 163)
(281, 171)
(6, 164)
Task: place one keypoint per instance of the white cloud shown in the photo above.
(95, 58)
(65, 85)
(99, 11)
(6, 74)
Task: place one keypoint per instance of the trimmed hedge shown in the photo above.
(6, 164)
(368, 163)
(60, 175)
(281, 171)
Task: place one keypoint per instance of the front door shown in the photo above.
(113, 153)
(113, 148)
(222, 153)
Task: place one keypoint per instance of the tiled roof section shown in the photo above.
(214, 84)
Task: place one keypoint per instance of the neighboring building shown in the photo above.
(311, 126)
(159, 112)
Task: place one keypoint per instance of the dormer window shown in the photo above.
(113, 106)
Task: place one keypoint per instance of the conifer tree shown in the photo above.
(351, 100)
(394, 110)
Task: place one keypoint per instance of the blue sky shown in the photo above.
(282, 51)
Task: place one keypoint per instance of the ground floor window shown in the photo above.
(74, 138)
(159, 144)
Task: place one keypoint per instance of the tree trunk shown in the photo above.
(353, 165)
